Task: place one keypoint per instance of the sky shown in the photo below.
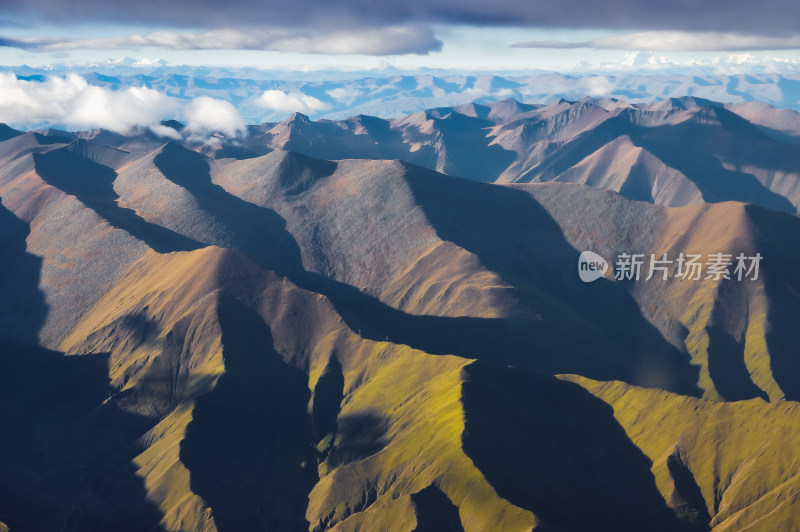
(328, 40)
(365, 34)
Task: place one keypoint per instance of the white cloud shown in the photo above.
(72, 102)
(369, 41)
(596, 85)
(209, 115)
(475, 93)
(644, 59)
(694, 41)
(676, 41)
(290, 101)
(145, 62)
(344, 94)
(166, 132)
(409, 39)
(743, 63)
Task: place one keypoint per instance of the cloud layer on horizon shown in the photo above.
(676, 41)
(392, 40)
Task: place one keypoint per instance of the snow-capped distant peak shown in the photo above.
(146, 62)
(644, 59)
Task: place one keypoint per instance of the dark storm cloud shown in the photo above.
(740, 16)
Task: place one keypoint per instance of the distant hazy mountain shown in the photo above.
(319, 329)
(392, 94)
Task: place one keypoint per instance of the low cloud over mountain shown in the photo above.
(72, 102)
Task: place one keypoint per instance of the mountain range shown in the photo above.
(377, 324)
(393, 94)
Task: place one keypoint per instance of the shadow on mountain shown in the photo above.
(551, 447)
(7, 132)
(378, 129)
(93, 185)
(727, 368)
(465, 151)
(359, 436)
(549, 346)
(259, 232)
(568, 155)
(637, 184)
(690, 149)
(516, 237)
(451, 142)
(22, 306)
(47, 140)
(697, 148)
(688, 500)
(59, 425)
(160, 387)
(248, 447)
(328, 140)
(328, 395)
(435, 512)
(781, 276)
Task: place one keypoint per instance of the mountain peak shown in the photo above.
(174, 124)
(298, 118)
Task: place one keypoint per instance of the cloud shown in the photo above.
(165, 132)
(596, 85)
(676, 41)
(644, 59)
(209, 115)
(369, 41)
(290, 101)
(344, 94)
(71, 102)
(765, 17)
(726, 64)
(390, 40)
(552, 44)
(24, 43)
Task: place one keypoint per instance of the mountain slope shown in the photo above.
(724, 463)
(292, 343)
